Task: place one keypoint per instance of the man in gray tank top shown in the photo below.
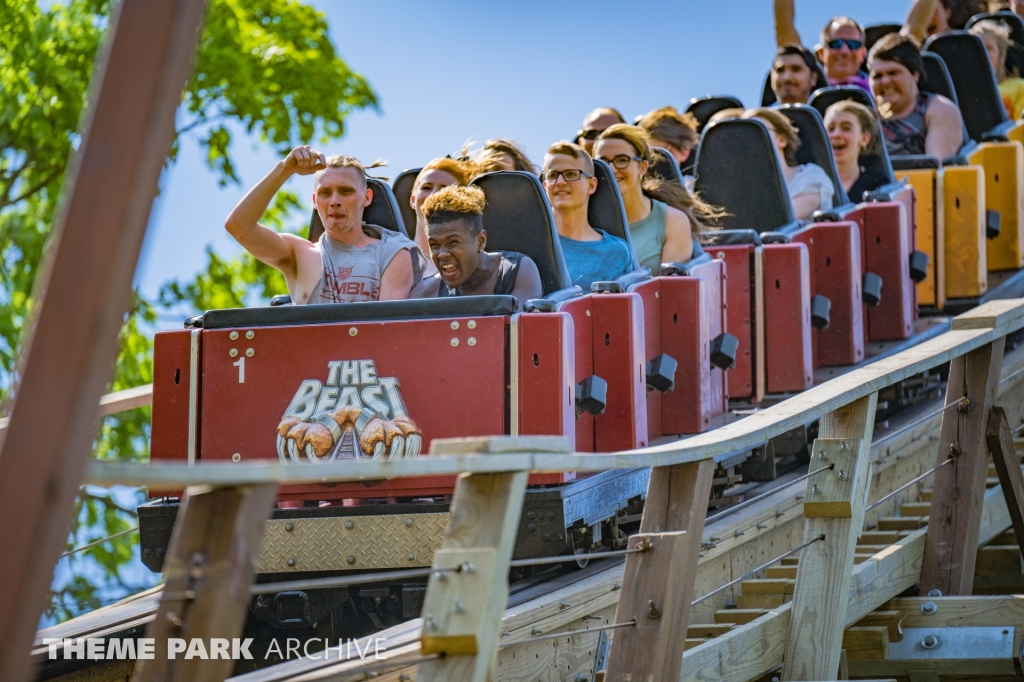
(352, 261)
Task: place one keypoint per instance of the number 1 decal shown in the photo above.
(240, 364)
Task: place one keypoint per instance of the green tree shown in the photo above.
(268, 66)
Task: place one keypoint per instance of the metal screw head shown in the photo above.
(930, 642)
(562, 604)
(459, 607)
(233, 336)
(455, 324)
(471, 341)
(928, 608)
(291, 561)
(616, 586)
(471, 324)
(348, 525)
(408, 523)
(531, 527)
(454, 342)
(845, 446)
(233, 352)
(536, 631)
(289, 526)
(236, 457)
(936, 592)
(250, 335)
(547, 537)
(652, 611)
(842, 475)
(350, 559)
(815, 490)
(822, 456)
(530, 515)
(410, 556)
(249, 352)
(352, 331)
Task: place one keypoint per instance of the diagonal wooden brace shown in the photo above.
(1004, 456)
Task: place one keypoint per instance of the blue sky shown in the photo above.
(450, 71)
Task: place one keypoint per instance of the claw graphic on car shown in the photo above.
(354, 415)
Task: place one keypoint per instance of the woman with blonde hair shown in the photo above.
(504, 154)
(665, 220)
(434, 177)
(996, 37)
(810, 188)
(852, 130)
(672, 131)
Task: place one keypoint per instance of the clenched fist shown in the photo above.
(304, 160)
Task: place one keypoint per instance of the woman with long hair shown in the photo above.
(852, 130)
(666, 222)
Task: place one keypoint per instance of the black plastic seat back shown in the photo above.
(768, 97)
(518, 218)
(878, 160)
(665, 164)
(814, 145)
(872, 34)
(936, 77)
(737, 169)
(402, 188)
(382, 211)
(973, 80)
(703, 108)
(605, 210)
(1015, 55)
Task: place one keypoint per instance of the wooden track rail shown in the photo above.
(834, 588)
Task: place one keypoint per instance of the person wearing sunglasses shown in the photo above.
(843, 49)
(590, 254)
(663, 216)
(594, 124)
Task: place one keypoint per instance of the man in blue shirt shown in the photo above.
(591, 255)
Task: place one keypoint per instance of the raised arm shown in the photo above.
(918, 19)
(265, 244)
(785, 23)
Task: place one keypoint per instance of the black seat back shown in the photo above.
(518, 218)
(605, 210)
(814, 144)
(703, 108)
(382, 211)
(1015, 55)
(768, 97)
(878, 160)
(737, 169)
(936, 77)
(402, 187)
(872, 34)
(665, 164)
(973, 80)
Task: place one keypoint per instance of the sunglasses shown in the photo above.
(571, 175)
(837, 43)
(588, 134)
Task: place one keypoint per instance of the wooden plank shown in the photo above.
(915, 508)
(671, 526)
(989, 315)
(738, 616)
(768, 586)
(871, 643)
(207, 572)
(739, 435)
(111, 403)
(83, 290)
(958, 489)
(462, 609)
(995, 560)
(821, 595)
(760, 601)
(890, 619)
(896, 523)
(1007, 464)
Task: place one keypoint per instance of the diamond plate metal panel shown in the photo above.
(349, 543)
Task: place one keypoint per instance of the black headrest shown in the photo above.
(665, 165)
(872, 34)
(402, 187)
(879, 161)
(936, 77)
(1015, 55)
(768, 97)
(737, 169)
(322, 313)
(382, 211)
(973, 80)
(814, 144)
(518, 218)
(703, 108)
(605, 210)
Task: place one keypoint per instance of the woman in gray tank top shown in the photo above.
(662, 214)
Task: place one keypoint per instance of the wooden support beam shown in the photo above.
(834, 505)
(84, 288)
(207, 574)
(467, 593)
(866, 642)
(1007, 464)
(671, 527)
(958, 489)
